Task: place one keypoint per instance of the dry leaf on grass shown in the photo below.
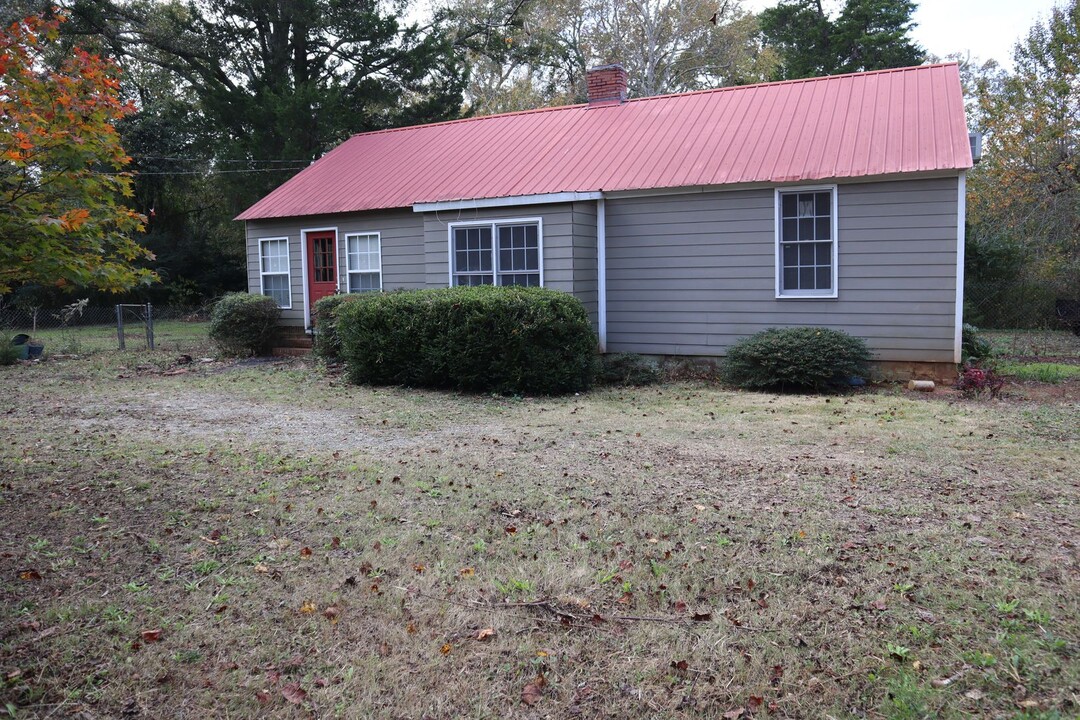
(294, 693)
(485, 634)
(308, 607)
(534, 691)
(151, 635)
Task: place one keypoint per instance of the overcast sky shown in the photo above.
(984, 28)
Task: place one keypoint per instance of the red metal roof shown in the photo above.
(843, 126)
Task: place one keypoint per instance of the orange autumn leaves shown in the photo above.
(62, 178)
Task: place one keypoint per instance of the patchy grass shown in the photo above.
(259, 539)
(169, 335)
(1058, 345)
(1053, 373)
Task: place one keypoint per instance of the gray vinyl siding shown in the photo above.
(691, 274)
(584, 253)
(401, 239)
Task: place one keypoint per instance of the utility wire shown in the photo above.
(207, 172)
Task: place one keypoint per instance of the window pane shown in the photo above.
(789, 205)
(824, 278)
(806, 228)
(277, 287)
(526, 279)
(806, 278)
(806, 254)
(806, 205)
(791, 255)
(365, 282)
(532, 259)
(275, 256)
(790, 230)
(824, 204)
(791, 278)
(505, 260)
(474, 280)
(824, 253)
(824, 231)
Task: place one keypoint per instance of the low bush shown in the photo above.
(242, 325)
(9, 354)
(973, 346)
(807, 358)
(327, 345)
(627, 369)
(493, 339)
(977, 382)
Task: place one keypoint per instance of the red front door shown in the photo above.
(322, 266)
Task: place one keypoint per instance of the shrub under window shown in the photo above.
(485, 338)
(242, 325)
(807, 358)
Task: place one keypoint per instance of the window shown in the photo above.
(363, 260)
(806, 243)
(274, 270)
(498, 253)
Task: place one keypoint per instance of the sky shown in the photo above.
(984, 29)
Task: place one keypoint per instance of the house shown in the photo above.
(682, 222)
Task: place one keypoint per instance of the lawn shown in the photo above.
(260, 539)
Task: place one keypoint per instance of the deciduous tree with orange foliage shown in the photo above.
(63, 221)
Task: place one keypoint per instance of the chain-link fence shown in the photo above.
(1019, 305)
(79, 328)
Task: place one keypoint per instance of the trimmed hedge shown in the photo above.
(807, 358)
(490, 339)
(327, 345)
(242, 324)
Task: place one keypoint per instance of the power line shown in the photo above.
(215, 160)
(207, 172)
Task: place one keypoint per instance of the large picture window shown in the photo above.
(497, 253)
(363, 262)
(806, 243)
(274, 270)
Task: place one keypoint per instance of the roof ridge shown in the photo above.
(666, 96)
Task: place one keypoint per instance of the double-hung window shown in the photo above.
(806, 242)
(363, 262)
(496, 253)
(274, 270)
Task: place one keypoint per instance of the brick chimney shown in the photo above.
(607, 84)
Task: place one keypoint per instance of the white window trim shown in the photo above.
(349, 271)
(493, 223)
(778, 268)
(304, 268)
(287, 273)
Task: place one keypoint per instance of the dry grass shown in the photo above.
(311, 548)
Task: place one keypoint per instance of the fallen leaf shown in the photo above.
(294, 693)
(151, 635)
(419, 569)
(879, 605)
(701, 617)
(485, 634)
(411, 628)
(308, 607)
(510, 529)
(305, 552)
(260, 568)
(29, 575)
(332, 614)
(446, 648)
(733, 714)
(533, 692)
(680, 665)
(321, 682)
(754, 702)
(335, 542)
(466, 572)
(263, 697)
(974, 694)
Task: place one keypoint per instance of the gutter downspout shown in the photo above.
(961, 224)
(601, 274)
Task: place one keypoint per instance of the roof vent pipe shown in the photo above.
(606, 84)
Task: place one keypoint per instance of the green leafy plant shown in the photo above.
(974, 347)
(327, 345)
(808, 358)
(627, 369)
(9, 353)
(494, 339)
(242, 325)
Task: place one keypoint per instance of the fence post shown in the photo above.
(120, 325)
(149, 326)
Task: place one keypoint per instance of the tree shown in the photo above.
(1026, 191)
(866, 35)
(62, 220)
(538, 52)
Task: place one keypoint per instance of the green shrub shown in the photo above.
(9, 354)
(242, 324)
(627, 369)
(327, 345)
(810, 358)
(496, 339)
(973, 346)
